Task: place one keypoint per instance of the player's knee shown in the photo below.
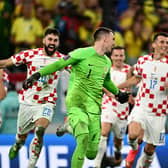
(39, 131)
(92, 150)
(91, 154)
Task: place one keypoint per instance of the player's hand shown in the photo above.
(31, 80)
(122, 97)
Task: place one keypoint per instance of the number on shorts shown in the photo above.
(46, 112)
(162, 137)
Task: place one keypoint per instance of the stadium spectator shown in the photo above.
(5, 28)
(68, 23)
(85, 31)
(26, 30)
(133, 42)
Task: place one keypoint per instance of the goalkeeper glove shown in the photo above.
(122, 97)
(31, 80)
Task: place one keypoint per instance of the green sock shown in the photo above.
(80, 151)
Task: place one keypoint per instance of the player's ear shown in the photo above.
(153, 45)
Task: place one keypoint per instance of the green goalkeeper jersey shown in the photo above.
(89, 73)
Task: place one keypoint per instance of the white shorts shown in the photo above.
(154, 126)
(28, 114)
(118, 126)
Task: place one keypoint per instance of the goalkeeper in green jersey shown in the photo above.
(90, 72)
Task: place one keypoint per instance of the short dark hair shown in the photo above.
(117, 48)
(101, 31)
(160, 34)
(51, 30)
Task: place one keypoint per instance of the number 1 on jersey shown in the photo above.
(89, 73)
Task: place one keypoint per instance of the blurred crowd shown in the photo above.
(22, 23)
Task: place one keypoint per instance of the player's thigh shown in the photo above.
(119, 128)
(29, 114)
(25, 118)
(105, 128)
(107, 113)
(78, 118)
(136, 121)
(45, 111)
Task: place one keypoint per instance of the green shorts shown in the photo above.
(76, 115)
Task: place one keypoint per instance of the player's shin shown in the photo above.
(101, 151)
(145, 160)
(117, 153)
(36, 146)
(133, 143)
(80, 151)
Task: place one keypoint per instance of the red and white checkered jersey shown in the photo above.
(118, 77)
(44, 90)
(152, 95)
(5, 79)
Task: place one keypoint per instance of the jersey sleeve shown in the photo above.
(80, 53)
(137, 68)
(22, 57)
(58, 65)
(108, 84)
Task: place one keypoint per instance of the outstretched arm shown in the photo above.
(58, 65)
(49, 69)
(6, 63)
(130, 82)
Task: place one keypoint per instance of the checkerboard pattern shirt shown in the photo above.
(152, 94)
(5, 79)
(44, 90)
(117, 76)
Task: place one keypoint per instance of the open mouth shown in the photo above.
(51, 47)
